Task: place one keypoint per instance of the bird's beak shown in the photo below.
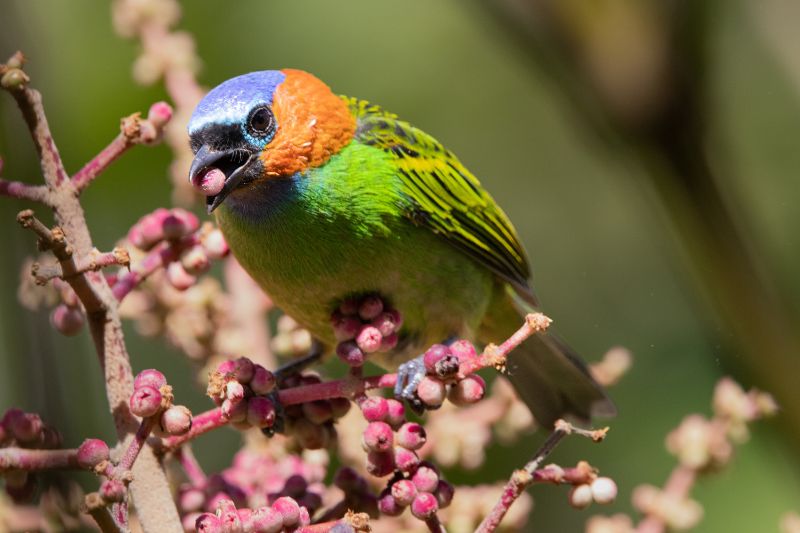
(232, 163)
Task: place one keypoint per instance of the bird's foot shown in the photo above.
(409, 376)
(280, 417)
(298, 365)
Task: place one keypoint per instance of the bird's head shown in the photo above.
(266, 125)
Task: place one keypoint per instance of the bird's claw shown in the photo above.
(409, 376)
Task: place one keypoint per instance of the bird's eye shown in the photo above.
(261, 122)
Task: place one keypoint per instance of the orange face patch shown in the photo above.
(313, 124)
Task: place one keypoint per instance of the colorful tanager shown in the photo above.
(329, 197)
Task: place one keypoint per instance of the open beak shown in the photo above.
(232, 163)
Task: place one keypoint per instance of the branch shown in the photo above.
(134, 130)
(522, 479)
(23, 191)
(31, 460)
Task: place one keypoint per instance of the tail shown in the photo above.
(549, 377)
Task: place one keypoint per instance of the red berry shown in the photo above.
(431, 392)
(91, 453)
(380, 464)
(468, 390)
(387, 505)
(67, 320)
(404, 492)
(433, 355)
(371, 307)
(426, 478)
(424, 506)
(145, 401)
(375, 409)
(149, 378)
(350, 353)
(378, 437)
(369, 339)
(411, 435)
(397, 413)
(289, 510)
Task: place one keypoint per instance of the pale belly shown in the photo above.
(309, 264)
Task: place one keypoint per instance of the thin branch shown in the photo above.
(31, 460)
(190, 466)
(94, 505)
(24, 191)
(522, 479)
(159, 257)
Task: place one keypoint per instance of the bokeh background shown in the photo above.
(622, 137)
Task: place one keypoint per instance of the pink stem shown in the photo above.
(520, 480)
(23, 191)
(163, 254)
(190, 465)
(678, 486)
(137, 443)
(30, 460)
(101, 161)
(495, 356)
(202, 423)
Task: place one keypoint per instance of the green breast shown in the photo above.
(312, 240)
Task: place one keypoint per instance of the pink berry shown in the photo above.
(463, 349)
(350, 353)
(375, 409)
(389, 342)
(266, 520)
(91, 453)
(349, 306)
(426, 478)
(145, 401)
(340, 406)
(411, 435)
(378, 437)
(288, 509)
(444, 493)
(178, 277)
(380, 464)
(149, 378)
(345, 328)
(24, 427)
(159, 114)
(208, 523)
(263, 381)
(191, 499)
(371, 307)
(112, 490)
(318, 411)
(295, 486)
(177, 420)
(431, 392)
(369, 339)
(67, 320)
(234, 410)
(397, 318)
(385, 323)
(397, 413)
(209, 181)
(234, 391)
(387, 505)
(404, 492)
(244, 369)
(245, 516)
(424, 506)
(580, 496)
(195, 261)
(311, 436)
(179, 223)
(227, 367)
(215, 244)
(260, 412)
(405, 460)
(469, 390)
(433, 355)
(348, 480)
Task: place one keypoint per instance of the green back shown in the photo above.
(444, 196)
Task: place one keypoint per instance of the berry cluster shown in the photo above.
(240, 387)
(25, 430)
(391, 444)
(283, 515)
(363, 326)
(421, 489)
(445, 379)
(312, 423)
(152, 397)
(189, 256)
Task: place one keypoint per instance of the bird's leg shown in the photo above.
(300, 364)
(409, 376)
(290, 369)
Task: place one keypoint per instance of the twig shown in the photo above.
(190, 466)
(30, 460)
(98, 509)
(23, 191)
(202, 423)
(160, 256)
(522, 479)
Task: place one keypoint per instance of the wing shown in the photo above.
(444, 196)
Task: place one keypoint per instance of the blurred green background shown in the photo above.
(608, 262)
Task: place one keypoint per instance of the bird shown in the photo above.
(326, 197)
